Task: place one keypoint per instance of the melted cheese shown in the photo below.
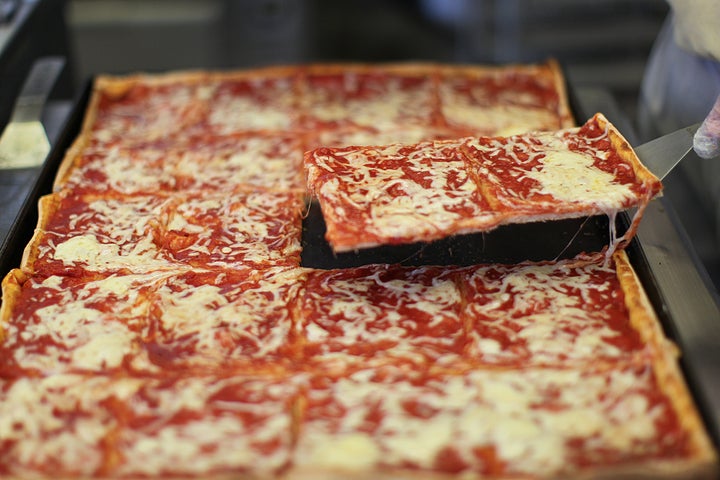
(263, 161)
(71, 333)
(220, 435)
(531, 309)
(261, 228)
(159, 113)
(517, 413)
(392, 203)
(99, 256)
(59, 421)
(380, 316)
(238, 321)
(389, 104)
(498, 120)
(263, 106)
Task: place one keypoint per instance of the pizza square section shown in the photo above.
(101, 233)
(576, 172)
(57, 425)
(237, 228)
(395, 194)
(501, 102)
(67, 324)
(400, 193)
(205, 426)
(223, 320)
(255, 101)
(365, 96)
(567, 312)
(535, 422)
(144, 110)
(379, 315)
(124, 170)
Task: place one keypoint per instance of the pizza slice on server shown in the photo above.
(397, 193)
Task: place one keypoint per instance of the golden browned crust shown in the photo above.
(664, 355)
(11, 287)
(642, 316)
(622, 146)
(47, 205)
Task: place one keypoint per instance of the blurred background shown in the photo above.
(602, 45)
(599, 42)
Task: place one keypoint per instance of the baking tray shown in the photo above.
(507, 244)
(21, 230)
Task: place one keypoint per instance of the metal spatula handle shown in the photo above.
(662, 154)
(36, 89)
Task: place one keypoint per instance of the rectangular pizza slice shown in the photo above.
(578, 311)
(224, 320)
(379, 315)
(236, 426)
(381, 97)
(258, 100)
(103, 426)
(235, 228)
(518, 423)
(144, 232)
(504, 100)
(100, 233)
(398, 193)
(68, 324)
(144, 110)
(58, 426)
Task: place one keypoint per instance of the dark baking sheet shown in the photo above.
(507, 244)
(23, 227)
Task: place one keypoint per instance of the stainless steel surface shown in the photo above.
(24, 142)
(689, 303)
(661, 155)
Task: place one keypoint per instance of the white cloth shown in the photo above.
(697, 26)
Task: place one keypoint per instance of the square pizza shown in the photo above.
(206, 426)
(240, 228)
(395, 193)
(224, 320)
(381, 314)
(569, 312)
(66, 324)
(501, 101)
(59, 425)
(264, 100)
(401, 193)
(530, 422)
(363, 96)
(144, 110)
(99, 233)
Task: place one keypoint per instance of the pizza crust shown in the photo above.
(665, 365)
